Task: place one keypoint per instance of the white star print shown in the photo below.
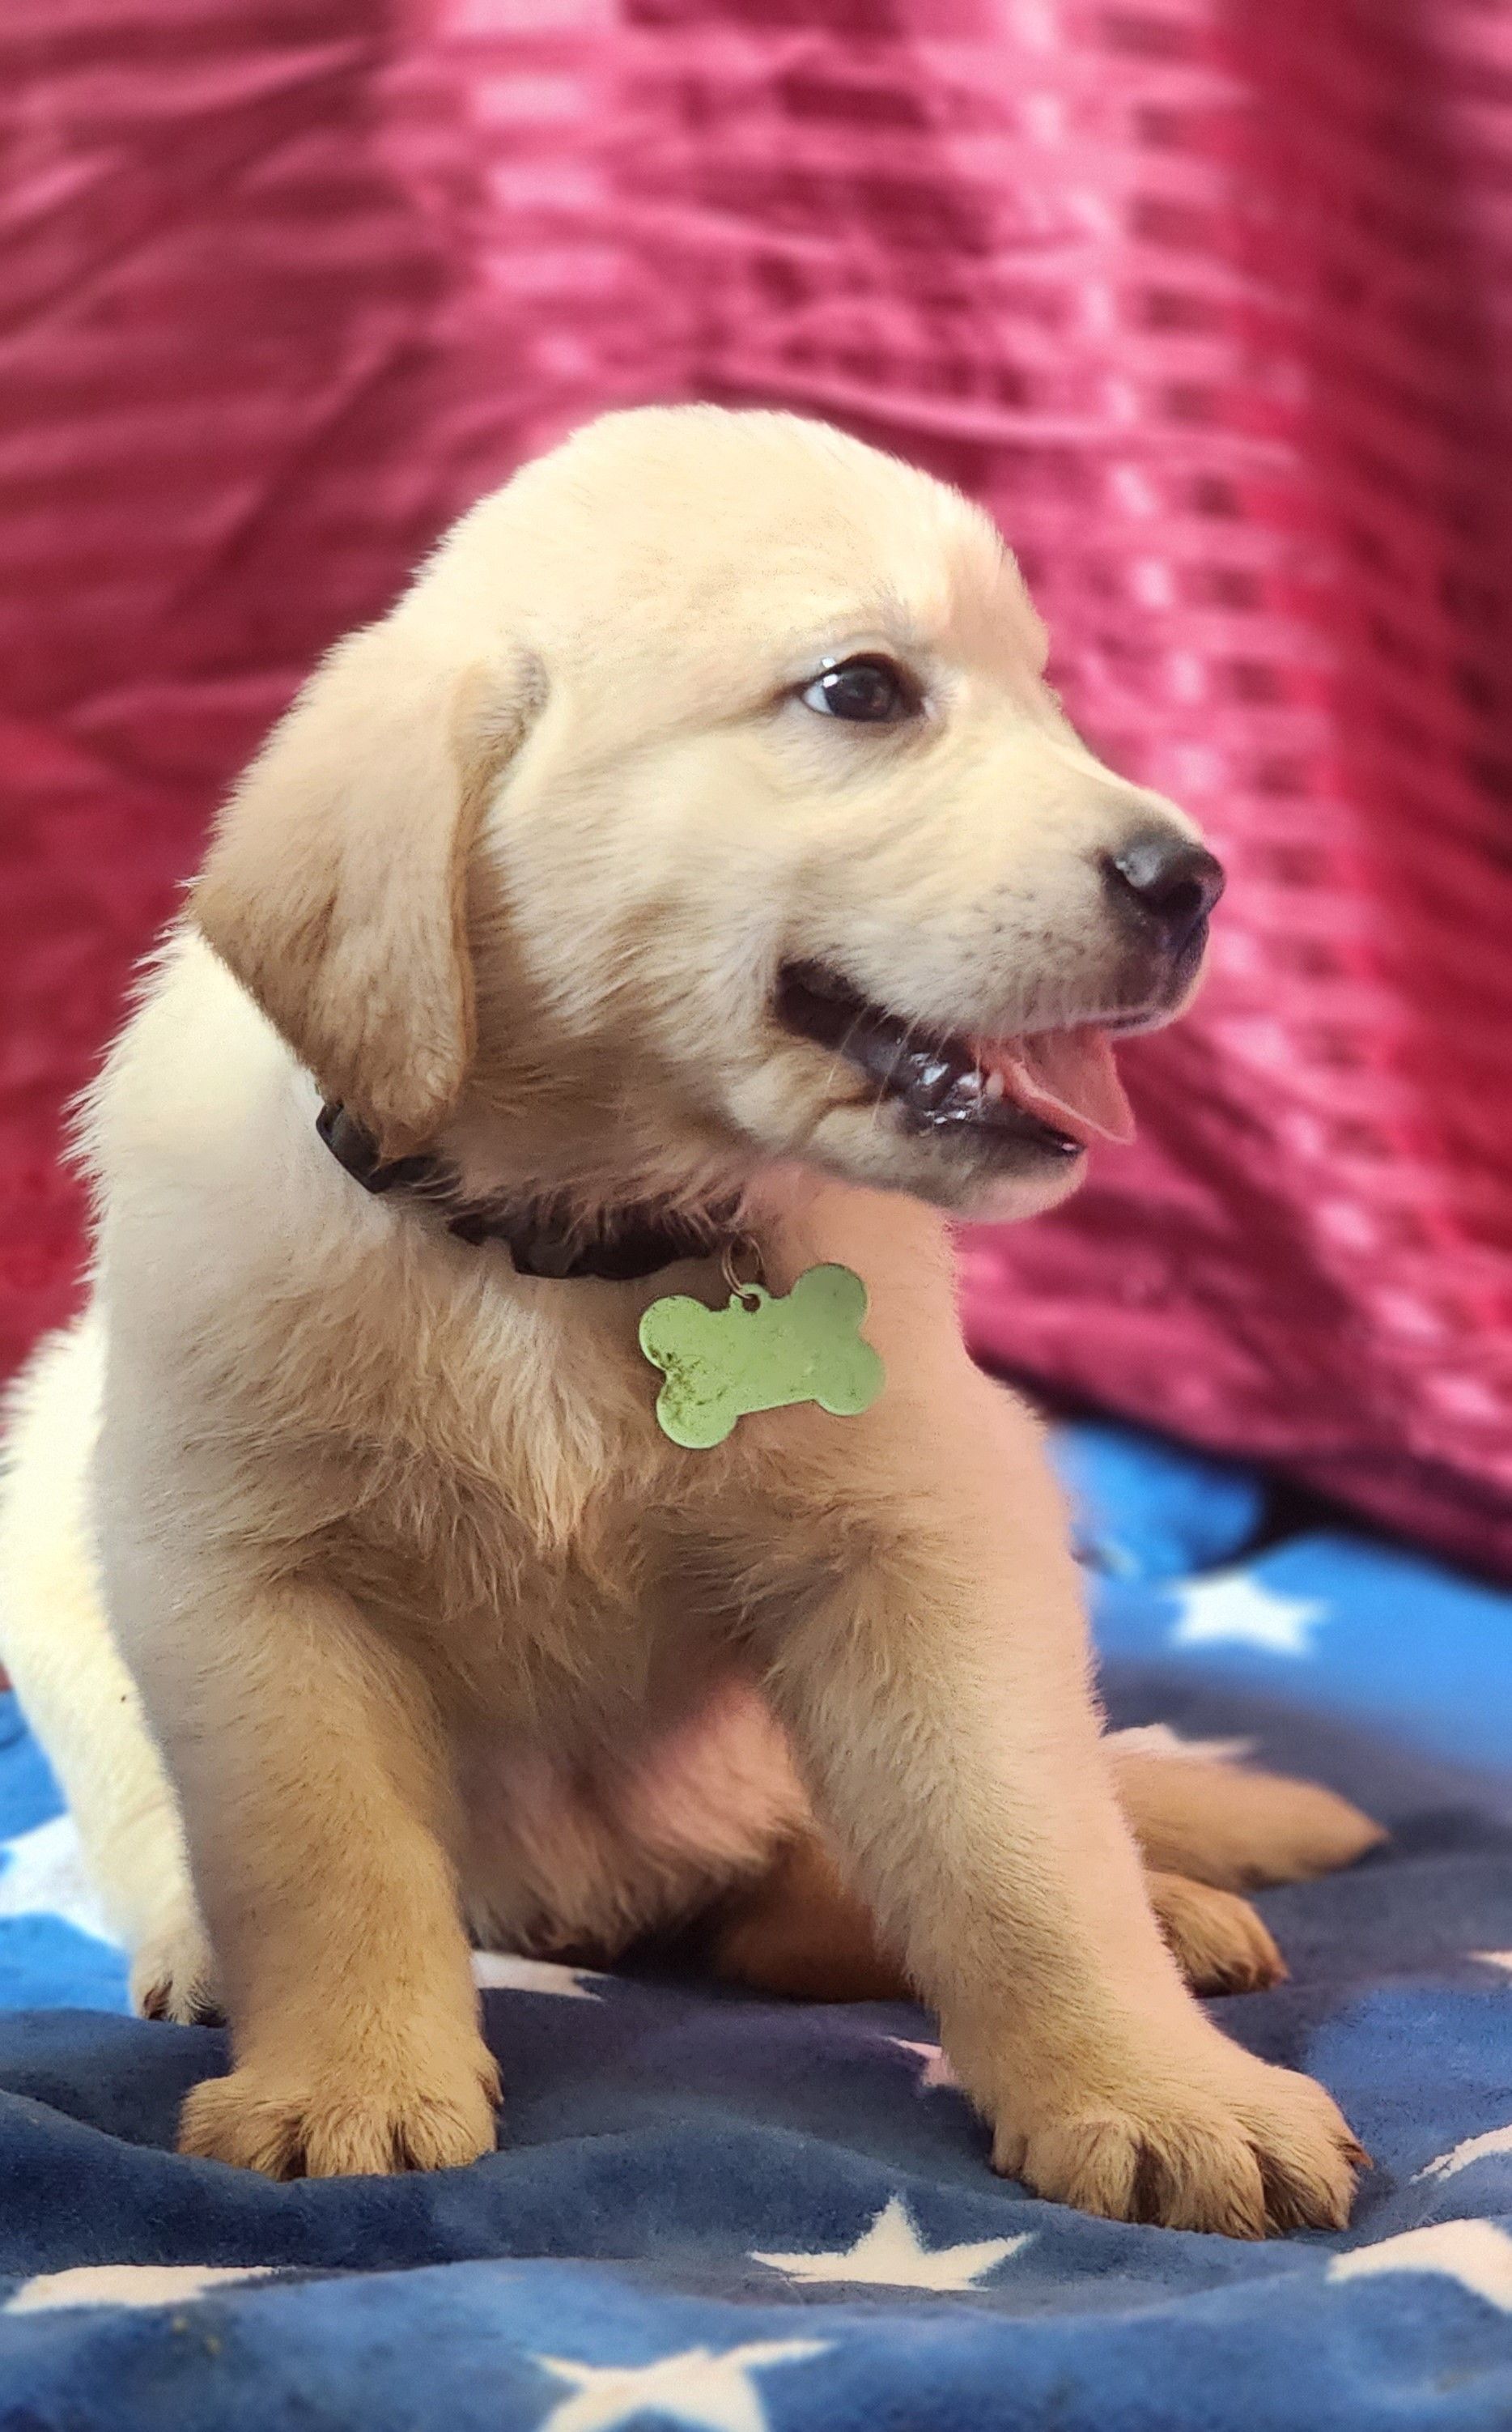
(1471, 2149)
(712, 2393)
(1474, 2253)
(890, 2254)
(936, 2071)
(127, 2284)
(1232, 1608)
(45, 1875)
(506, 1972)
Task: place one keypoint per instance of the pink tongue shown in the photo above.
(1068, 1077)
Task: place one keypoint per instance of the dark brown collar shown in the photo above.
(628, 1242)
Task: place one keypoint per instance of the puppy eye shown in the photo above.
(870, 691)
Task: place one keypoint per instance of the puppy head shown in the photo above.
(703, 805)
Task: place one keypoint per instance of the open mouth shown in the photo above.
(1053, 1091)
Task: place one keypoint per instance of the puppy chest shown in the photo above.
(519, 1617)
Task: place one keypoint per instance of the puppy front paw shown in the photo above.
(1240, 2148)
(344, 2121)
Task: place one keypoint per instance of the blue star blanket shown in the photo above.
(717, 2212)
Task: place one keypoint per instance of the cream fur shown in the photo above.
(432, 1627)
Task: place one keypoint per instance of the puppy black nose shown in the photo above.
(1171, 883)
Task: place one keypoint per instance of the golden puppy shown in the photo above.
(693, 869)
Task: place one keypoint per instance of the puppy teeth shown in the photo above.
(993, 1085)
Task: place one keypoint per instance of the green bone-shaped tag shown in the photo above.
(760, 1353)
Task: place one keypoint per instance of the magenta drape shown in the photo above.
(1207, 300)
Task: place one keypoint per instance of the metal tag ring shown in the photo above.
(749, 1288)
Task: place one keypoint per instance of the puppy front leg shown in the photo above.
(313, 1781)
(939, 1701)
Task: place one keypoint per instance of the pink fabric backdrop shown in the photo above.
(1208, 300)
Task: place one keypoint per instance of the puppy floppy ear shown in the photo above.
(335, 887)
